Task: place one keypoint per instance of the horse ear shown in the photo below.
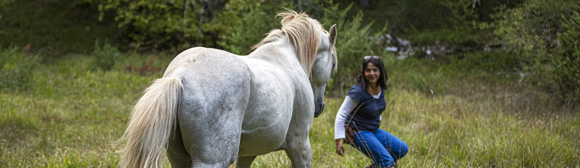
(332, 34)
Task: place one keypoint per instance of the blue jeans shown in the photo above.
(382, 147)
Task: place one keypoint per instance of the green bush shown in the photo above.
(246, 22)
(544, 37)
(426, 21)
(161, 24)
(5, 2)
(567, 62)
(456, 25)
(105, 56)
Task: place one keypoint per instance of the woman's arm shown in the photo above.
(345, 108)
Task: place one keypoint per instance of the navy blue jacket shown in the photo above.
(366, 115)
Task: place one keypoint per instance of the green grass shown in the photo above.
(72, 112)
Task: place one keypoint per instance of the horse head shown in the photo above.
(323, 67)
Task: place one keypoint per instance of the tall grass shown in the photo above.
(73, 112)
(70, 115)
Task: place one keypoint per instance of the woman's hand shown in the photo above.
(339, 147)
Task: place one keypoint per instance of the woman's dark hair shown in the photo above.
(382, 81)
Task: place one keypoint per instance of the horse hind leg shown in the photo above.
(176, 153)
(245, 161)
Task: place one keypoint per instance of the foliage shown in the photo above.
(531, 31)
(161, 24)
(57, 27)
(451, 22)
(566, 63)
(105, 56)
(5, 2)
(427, 21)
(246, 22)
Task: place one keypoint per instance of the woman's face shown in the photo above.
(372, 73)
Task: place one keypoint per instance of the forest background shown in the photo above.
(474, 83)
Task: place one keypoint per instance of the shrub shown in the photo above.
(161, 24)
(435, 22)
(544, 37)
(450, 22)
(5, 2)
(105, 56)
(246, 22)
(567, 61)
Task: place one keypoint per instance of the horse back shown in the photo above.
(212, 76)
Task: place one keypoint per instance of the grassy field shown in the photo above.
(69, 113)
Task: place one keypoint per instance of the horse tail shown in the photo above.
(151, 124)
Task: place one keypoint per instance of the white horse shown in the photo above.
(212, 106)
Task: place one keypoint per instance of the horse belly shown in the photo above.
(261, 141)
(265, 125)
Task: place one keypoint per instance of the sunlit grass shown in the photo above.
(72, 113)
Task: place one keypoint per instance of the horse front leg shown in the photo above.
(297, 145)
(245, 161)
(298, 150)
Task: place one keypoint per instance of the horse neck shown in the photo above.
(281, 53)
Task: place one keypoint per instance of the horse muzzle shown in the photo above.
(319, 108)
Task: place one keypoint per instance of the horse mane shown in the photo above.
(302, 33)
